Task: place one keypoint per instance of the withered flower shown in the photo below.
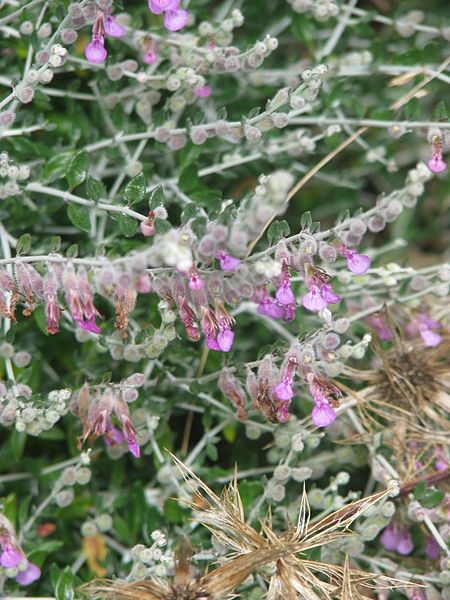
(280, 557)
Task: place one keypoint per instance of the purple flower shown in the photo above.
(174, 20)
(227, 262)
(11, 555)
(437, 164)
(289, 313)
(212, 343)
(356, 263)
(150, 58)
(112, 28)
(389, 537)
(283, 390)
(159, 6)
(196, 283)
(313, 300)
(323, 415)
(404, 543)
(225, 339)
(432, 549)
(203, 91)
(283, 412)
(95, 51)
(430, 338)
(320, 292)
(269, 307)
(31, 573)
(424, 325)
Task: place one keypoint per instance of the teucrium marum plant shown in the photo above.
(213, 228)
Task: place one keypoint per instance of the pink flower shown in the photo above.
(313, 300)
(225, 339)
(283, 412)
(188, 318)
(269, 307)
(196, 283)
(356, 263)
(323, 415)
(211, 342)
(95, 51)
(389, 537)
(375, 321)
(159, 6)
(325, 396)
(31, 574)
(424, 325)
(404, 543)
(320, 292)
(284, 294)
(227, 262)
(203, 91)
(432, 549)
(436, 163)
(283, 390)
(289, 313)
(10, 556)
(149, 58)
(112, 28)
(174, 20)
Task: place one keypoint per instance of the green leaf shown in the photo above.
(72, 251)
(432, 498)
(383, 114)
(162, 226)
(23, 244)
(55, 243)
(190, 211)
(56, 167)
(127, 225)
(306, 220)
(94, 189)
(157, 197)
(79, 215)
(440, 112)
(188, 179)
(412, 109)
(78, 168)
(277, 231)
(135, 190)
(419, 490)
(62, 582)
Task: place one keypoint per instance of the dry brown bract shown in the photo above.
(279, 557)
(407, 399)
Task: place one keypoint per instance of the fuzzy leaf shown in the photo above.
(135, 190)
(23, 244)
(127, 225)
(277, 231)
(62, 582)
(157, 197)
(79, 215)
(94, 189)
(78, 168)
(440, 112)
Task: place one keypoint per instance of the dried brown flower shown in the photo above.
(279, 557)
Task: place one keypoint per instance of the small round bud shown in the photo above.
(88, 529)
(69, 36)
(104, 522)
(376, 223)
(83, 475)
(65, 497)
(44, 31)
(22, 359)
(172, 83)
(24, 94)
(26, 28)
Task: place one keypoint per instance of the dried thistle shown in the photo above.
(407, 399)
(279, 557)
